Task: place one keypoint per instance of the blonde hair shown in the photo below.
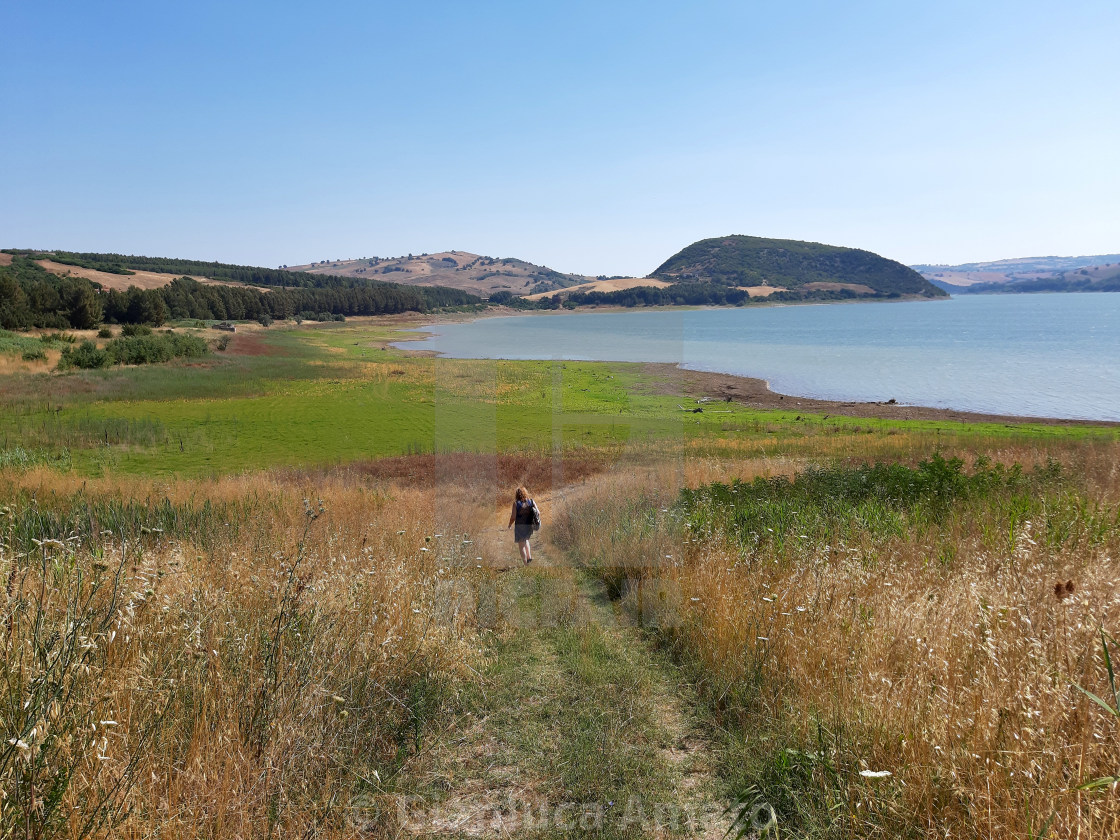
(522, 494)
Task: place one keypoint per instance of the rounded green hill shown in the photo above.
(751, 261)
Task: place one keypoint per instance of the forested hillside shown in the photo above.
(750, 261)
(31, 296)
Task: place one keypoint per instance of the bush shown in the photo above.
(86, 356)
(34, 355)
(50, 338)
(265, 320)
(130, 330)
(152, 349)
(104, 332)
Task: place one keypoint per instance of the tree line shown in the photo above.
(31, 296)
(679, 294)
(225, 272)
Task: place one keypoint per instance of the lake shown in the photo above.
(1044, 355)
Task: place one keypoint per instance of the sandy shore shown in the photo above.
(756, 393)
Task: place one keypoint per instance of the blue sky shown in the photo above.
(595, 137)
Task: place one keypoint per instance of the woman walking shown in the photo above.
(524, 519)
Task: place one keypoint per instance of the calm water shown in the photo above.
(1047, 355)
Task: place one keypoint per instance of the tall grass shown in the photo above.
(892, 650)
(165, 674)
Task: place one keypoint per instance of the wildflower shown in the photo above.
(875, 774)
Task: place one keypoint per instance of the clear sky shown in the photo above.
(595, 137)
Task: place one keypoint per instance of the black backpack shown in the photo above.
(536, 515)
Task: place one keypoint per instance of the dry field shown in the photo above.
(615, 284)
(911, 681)
(243, 657)
(121, 282)
(291, 651)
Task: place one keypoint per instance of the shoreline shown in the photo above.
(756, 393)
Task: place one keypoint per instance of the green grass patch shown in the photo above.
(339, 392)
(27, 345)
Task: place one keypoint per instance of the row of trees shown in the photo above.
(678, 294)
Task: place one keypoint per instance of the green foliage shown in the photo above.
(31, 296)
(789, 264)
(98, 521)
(153, 349)
(387, 297)
(137, 348)
(130, 330)
(824, 505)
(1060, 283)
(19, 457)
(1111, 704)
(69, 259)
(136, 306)
(87, 356)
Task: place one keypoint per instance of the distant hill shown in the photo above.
(1026, 274)
(792, 266)
(454, 269)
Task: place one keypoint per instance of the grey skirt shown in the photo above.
(522, 531)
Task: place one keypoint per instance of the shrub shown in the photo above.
(50, 338)
(104, 332)
(86, 356)
(34, 355)
(152, 349)
(130, 330)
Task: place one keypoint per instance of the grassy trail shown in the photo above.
(577, 728)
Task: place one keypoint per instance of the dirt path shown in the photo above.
(576, 727)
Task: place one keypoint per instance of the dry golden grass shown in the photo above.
(947, 658)
(121, 282)
(235, 684)
(278, 680)
(616, 284)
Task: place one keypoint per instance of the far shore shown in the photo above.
(749, 391)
